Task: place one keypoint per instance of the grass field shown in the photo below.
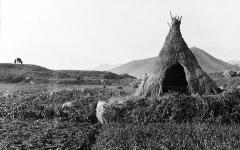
(31, 117)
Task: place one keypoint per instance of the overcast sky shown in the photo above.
(82, 34)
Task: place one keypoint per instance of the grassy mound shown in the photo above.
(222, 108)
(175, 122)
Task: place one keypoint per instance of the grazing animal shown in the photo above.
(18, 61)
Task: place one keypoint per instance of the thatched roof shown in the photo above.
(166, 72)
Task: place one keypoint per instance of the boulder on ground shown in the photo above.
(100, 110)
(104, 112)
(67, 105)
(114, 110)
(230, 73)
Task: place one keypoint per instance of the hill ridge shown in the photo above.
(208, 63)
(14, 73)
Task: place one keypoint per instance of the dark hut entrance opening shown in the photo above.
(175, 79)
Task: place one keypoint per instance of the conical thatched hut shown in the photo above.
(176, 69)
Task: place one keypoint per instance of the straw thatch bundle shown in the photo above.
(176, 69)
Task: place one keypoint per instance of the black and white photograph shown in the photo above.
(119, 75)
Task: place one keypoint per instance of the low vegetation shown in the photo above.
(32, 117)
(176, 122)
(169, 136)
(33, 120)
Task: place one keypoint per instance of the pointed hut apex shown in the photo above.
(176, 21)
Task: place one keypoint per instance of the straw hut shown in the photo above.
(176, 69)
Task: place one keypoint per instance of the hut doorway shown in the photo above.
(175, 79)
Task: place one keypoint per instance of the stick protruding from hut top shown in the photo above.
(176, 21)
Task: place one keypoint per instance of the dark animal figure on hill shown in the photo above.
(120, 88)
(18, 61)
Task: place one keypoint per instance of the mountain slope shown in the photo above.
(208, 63)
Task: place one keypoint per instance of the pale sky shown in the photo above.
(82, 34)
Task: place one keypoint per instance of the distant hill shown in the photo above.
(106, 67)
(208, 63)
(8, 70)
(234, 62)
(14, 73)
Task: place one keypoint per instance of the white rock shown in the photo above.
(28, 78)
(67, 105)
(104, 112)
(223, 87)
(100, 110)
